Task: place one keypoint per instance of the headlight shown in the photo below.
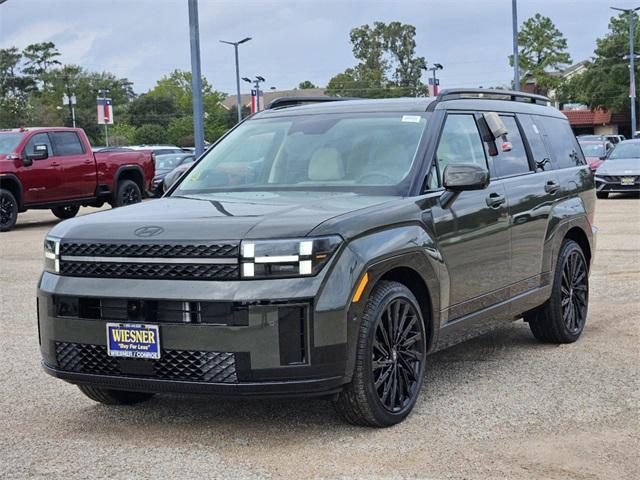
(297, 257)
(52, 255)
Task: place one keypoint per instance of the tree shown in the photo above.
(152, 108)
(121, 134)
(150, 134)
(306, 85)
(605, 83)
(14, 90)
(542, 49)
(388, 64)
(40, 57)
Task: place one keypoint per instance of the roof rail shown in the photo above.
(489, 94)
(284, 102)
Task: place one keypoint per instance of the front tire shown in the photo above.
(8, 210)
(562, 318)
(390, 359)
(127, 193)
(114, 397)
(68, 211)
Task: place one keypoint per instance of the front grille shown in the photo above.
(225, 250)
(184, 271)
(179, 365)
(618, 179)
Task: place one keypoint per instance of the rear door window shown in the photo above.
(460, 143)
(561, 142)
(38, 139)
(514, 161)
(66, 144)
(533, 133)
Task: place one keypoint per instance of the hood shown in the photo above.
(620, 166)
(223, 216)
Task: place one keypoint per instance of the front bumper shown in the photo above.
(612, 184)
(277, 340)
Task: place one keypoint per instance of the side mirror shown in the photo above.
(461, 177)
(40, 152)
(602, 157)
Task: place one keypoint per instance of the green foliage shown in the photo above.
(542, 50)
(121, 134)
(606, 81)
(388, 64)
(306, 85)
(40, 57)
(150, 134)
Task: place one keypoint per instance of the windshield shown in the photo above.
(592, 149)
(626, 150)
(328, 152)
(9, 142)
(170, 161)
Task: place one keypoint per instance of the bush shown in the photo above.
(150, 134)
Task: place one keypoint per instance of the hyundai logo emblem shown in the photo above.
(148, 231)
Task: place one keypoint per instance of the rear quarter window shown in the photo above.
(561, 142)
(532, 129)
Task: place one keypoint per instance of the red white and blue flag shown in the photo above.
(105, 111)
(257, 100)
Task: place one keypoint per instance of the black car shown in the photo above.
(325, 250)
(620, 172)
(165, 164)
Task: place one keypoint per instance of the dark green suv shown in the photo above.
(325, 249)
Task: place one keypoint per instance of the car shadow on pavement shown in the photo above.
(35, 224)
(262, 417)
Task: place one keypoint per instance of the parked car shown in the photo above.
(165, 163)
(615, 139)
(174, 175)
(595, 151)
(55, 168)
(621, 172)
(158, 149)
(352, 239)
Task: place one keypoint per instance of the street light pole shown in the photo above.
(196, 77)
(238, 99)
(516, 60)
(632, 66)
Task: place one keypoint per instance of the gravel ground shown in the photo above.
(499, 406)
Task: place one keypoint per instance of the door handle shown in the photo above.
(88, 161)
(494, 200)
(55, 164)
(551, 187)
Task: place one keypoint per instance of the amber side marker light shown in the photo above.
(360, 289)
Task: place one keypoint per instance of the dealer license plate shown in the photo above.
(627, 180)
(133, 340)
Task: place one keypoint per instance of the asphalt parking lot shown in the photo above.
(500, 406)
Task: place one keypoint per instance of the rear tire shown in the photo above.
(68, 211)
(127, 193)
(8, 210)
(602, 195)
(114, 397)
(390, 359)
(562, 318)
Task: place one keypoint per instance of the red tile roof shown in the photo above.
(594, 117)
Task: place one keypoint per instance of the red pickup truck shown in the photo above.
(54, 168)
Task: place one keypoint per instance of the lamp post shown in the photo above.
(632, 66)
(238, 101)
(196, 77)
(102, 94)
(516, 59)
(256, 83)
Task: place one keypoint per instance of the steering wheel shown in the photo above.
(377, 174)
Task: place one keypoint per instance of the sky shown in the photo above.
(291, 41)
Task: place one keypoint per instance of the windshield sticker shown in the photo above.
(411, 118)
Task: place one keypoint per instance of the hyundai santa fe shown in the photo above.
(325, 250)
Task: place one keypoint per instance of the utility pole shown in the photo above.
(632, 66)
(196, 77)
(238, 99)
(516, 60)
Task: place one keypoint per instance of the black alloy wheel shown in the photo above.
(128, 193)
(563, 317)
(397, 357)
(67, 211)
(8, 210)
(390, 359)
(574, 292)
